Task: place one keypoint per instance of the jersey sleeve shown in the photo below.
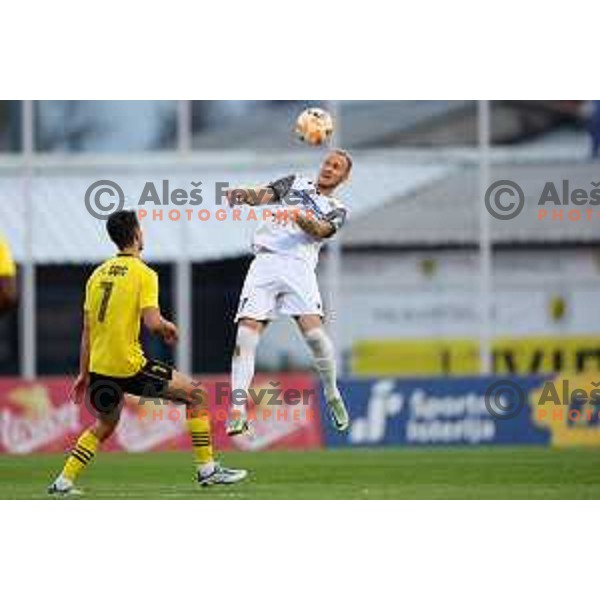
(7, 264)
(281, 187)
(149, 291)
(337, 217)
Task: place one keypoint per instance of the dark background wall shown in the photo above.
(60, 294)
(216, 290)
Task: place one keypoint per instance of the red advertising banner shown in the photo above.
(38, 417)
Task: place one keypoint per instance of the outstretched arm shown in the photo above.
(274, 192)
(254, 196)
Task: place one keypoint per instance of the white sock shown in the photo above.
(242, 363)
(324, 355)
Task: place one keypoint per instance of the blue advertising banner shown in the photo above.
(443, 411)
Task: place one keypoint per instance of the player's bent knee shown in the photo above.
(309, 322)
(191, 393)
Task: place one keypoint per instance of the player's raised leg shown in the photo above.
(242, 372)
(209, 472)
(323, 353)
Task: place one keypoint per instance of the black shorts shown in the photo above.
(106, 392)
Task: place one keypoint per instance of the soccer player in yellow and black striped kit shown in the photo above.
(120, 294)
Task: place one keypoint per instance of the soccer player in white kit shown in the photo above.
(282, 279)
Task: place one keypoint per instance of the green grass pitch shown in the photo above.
(486, 473)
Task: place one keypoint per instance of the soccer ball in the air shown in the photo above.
(314, 126)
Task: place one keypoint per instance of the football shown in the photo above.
(314, 126)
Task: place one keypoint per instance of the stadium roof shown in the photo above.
(63, 230)
(397, 198)
(446, 211)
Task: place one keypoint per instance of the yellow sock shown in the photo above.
(199, 428)
(81, 455)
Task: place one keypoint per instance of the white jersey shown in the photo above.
(283, 236)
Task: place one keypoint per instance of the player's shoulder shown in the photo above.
(304, 183)
(293, 184)
(140, 265)
(144, 271)
(98, 271)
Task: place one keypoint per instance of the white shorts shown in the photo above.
(279, 285)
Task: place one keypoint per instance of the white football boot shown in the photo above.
(239, 424)
(221, 476)
(63, 487)
(339, 414)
